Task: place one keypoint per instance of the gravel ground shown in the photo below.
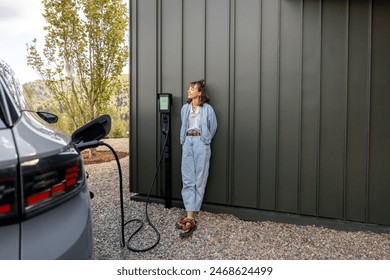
(235, 239)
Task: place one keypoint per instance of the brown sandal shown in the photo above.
(180, 224)
(189, 227)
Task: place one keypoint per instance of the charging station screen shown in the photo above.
(164, 103)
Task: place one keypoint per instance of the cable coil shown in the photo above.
(148, 222)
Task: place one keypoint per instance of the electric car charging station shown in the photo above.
(164, 104)
(164, 107)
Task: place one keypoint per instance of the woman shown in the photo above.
(198, 128)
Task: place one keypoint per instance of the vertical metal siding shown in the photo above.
(289, 105)
(311, 78)
(217, 75)
(333, 103)
(246, 102)
(269, 103)
(358, 112)
(379, 175)
(194, 21)
(147, 84)
(231, 97)
(172, 71)
(301, 92)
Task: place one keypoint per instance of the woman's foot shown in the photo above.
(180, 224)
(188, 228)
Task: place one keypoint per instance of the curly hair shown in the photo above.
(204, 97)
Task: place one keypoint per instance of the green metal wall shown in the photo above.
(301, 90)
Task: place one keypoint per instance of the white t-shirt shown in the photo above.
(194, 120)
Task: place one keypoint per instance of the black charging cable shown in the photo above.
(141, 222)
(96, 143)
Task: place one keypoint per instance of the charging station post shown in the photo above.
(164, 107)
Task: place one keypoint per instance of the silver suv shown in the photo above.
(44, 200)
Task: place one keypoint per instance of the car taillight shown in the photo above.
(51, 180)
(8, 194)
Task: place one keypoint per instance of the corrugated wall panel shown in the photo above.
(379, 182)
(194, 51)
(269, 107)
(358, 111)
(290, 105)
(145, 103)
(333, 108)
(311, 77)
(217, 76)
(171, 76)
(301, 92)
(246, 103)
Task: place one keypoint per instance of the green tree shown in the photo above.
(84, 53)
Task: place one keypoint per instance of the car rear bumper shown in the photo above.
(64, 232)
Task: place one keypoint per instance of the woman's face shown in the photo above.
(193, 92)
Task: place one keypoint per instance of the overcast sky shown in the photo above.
(20, 22)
